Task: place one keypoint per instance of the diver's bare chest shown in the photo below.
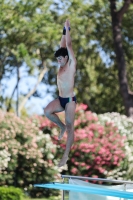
(63, 73)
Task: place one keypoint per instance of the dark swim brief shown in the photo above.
(64, 101)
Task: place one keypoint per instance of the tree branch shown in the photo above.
(43, 71)
(18, 79)
(124, 8)
(10, 100)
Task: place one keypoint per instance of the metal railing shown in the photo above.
(95, 179)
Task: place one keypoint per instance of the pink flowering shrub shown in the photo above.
(26, 153)
(97, 148)
(125, 127)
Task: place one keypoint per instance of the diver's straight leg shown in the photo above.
(69, 118)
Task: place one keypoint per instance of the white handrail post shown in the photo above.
(62, 194)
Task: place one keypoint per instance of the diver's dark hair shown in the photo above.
(61, 52)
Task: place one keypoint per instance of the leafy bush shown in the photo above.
(27, 155)
(125, 127)
(10, 193)
(98, 148)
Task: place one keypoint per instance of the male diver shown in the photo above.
(67, 100)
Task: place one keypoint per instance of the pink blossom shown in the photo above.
(81, 107)
(77, 154)
(76, 163)
(73, 160)
(101, 170)
(95, 176)
(102, 151)
(88, 167)
(74, 170)
(90, 133)
(82, 164)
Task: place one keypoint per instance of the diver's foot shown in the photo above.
(63, 161)
(62, 131)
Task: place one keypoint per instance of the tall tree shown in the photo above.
(117, 16)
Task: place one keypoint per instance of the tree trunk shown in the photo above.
(117, 36)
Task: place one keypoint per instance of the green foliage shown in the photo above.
(10, 193)
(49, 198)
(31, 31)
(27, 155)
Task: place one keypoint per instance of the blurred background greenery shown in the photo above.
(102, 39)
(30, 32)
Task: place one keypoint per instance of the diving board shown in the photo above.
(87, 189)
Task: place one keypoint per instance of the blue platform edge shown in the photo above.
(87, 189)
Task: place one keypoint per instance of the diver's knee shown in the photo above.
(46, 112)
(69, 126)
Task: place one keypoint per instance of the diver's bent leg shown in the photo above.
(52, 108)
(69, 143)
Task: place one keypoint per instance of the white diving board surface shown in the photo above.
(87, 189)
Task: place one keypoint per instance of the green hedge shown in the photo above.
(10, 193)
